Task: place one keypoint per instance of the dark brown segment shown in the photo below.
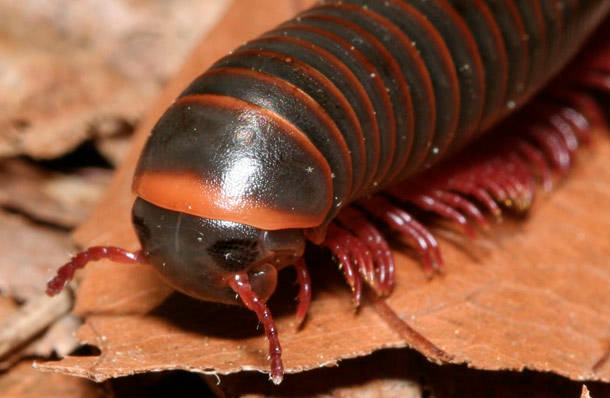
(467, 61)
(429, 42)
(318, 87)
(222, 158)
(493, 54)
(513, 31)
(535, 25)
(413, 68)
(366, 74)
(582, 19)
(388, 70)
(555, 22)
(342, 77)
(569, 8)
(291, 104)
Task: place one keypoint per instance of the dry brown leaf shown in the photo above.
(56, 198)
(533, 297)
(23, 381)
(7, 307)
(114, 148)
(88, 67)
(21, 327)
(31, 250)
(365, 378)
(58, 339)
(403, 373)
(30, 253)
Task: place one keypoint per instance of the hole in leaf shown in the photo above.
(86, 350)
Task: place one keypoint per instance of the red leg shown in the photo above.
(578, 121)
(340, 242)
(595, 79)
(522, 171)
(465, 205)
(379, 258)
(584, 104)
(469, 188)
(437, 259)
(553, 147)
(512, 177)
(240, 284)
(601, 60)
(524, 179)
(304, 281)
(495, 189)
(426, 202)
(516, 194)
(551, 114)
(364, 261)
(359, 252)
(537, 162)
(400, 221)
(66, 272)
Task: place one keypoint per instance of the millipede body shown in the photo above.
(333, 121)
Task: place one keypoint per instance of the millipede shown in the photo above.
(353, 118)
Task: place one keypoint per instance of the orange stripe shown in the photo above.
(191, 195)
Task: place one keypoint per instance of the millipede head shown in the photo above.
(199, 256)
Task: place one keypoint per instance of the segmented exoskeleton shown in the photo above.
(334, 119)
